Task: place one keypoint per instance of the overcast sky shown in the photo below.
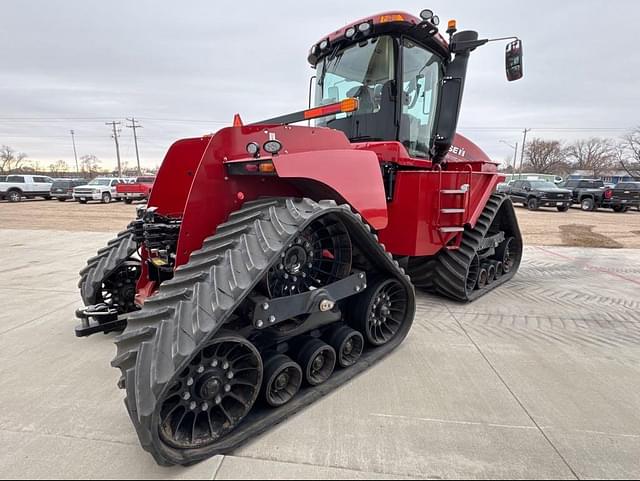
(184, 68)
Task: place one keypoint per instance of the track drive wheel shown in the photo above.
(381, 311)
(212, 395)
(282, 380)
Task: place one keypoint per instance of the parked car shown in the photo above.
(593, 194)
(625, 196)
(62, 189)
(18, 187)
(138, 190)
(103, 189)
(534, 194)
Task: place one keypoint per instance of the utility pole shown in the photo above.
(515, 152)
(524, 144)
(114, 125)
(135, 125)
(75, 153)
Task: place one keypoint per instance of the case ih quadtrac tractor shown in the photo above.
(275, 262)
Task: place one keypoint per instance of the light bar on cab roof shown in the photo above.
(395, 17)
(345, 106)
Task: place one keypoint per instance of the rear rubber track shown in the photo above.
(446, 273)
(105, 263)
(189, 310)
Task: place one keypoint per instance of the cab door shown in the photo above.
(114, 187)
(517, 191)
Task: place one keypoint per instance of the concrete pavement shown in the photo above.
(540, 379)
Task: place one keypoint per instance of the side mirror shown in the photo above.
(513, 60)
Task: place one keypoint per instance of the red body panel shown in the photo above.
(194, 184)
(315, 163)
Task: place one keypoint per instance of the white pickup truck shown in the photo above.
(101, 188)
(18, 187)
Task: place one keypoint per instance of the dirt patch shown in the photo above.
(543, 227)
(580, 235)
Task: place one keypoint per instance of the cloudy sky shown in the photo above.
(184, 68)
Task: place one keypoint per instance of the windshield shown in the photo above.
(540, 184)
(100, 182)
(365, 71)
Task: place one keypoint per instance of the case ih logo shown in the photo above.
(459, 151)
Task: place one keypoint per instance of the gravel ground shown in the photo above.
(544, 227)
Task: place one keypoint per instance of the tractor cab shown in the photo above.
(407, 79)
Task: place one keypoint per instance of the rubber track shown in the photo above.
(102, 265)
(188, 310)
(446, 273)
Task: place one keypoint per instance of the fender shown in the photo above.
(354, 176)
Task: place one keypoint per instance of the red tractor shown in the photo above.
(275, 262)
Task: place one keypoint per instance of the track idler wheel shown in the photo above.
(318, 360)
(499, 269)
(212, 395)
(506, 254)
(381, 311)
(282, 380)
(348, 345)
(473, 273)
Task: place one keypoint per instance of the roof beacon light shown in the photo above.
(452, 27)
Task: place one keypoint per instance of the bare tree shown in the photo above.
(11, 160)
(89, 164)
(629, 153)
(594, 154)
(58, 167)
(544, 156)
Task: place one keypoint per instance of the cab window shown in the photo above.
(421, 78)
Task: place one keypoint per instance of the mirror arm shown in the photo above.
(470, 45)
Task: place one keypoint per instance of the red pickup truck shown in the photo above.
(139, 190)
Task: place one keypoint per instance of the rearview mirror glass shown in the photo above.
(513, 60)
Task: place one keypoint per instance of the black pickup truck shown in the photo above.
(534, 194)
(626, 195)
(592, 194)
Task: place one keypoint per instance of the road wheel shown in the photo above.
(532, 204)
(563, 208)
(106, 198)
(83, 201)
(14, 196)
(588, 205)
(128, 201)
(61, 199)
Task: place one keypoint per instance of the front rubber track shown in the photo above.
(188, 311)
(101, 266)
